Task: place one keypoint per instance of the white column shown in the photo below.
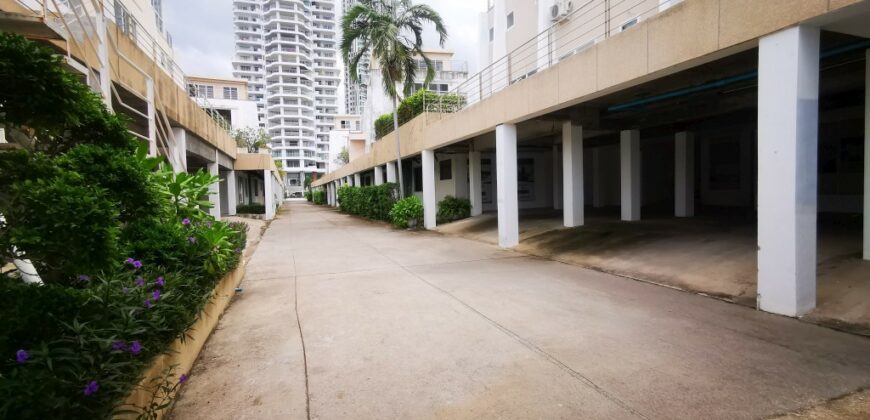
(558, 189)
(379, 175)
(152, 118)
(506, 175)
(391, 172)
(867, 157)
(630, 174)
(232, 196)
(180, 151)
(460, 175)
(684, 174)
(429, 206)
(500, 74)
(788, 124)
(103, 56)
(597, 179)
(572, 174)
(475, 193)
(357, 180)
(268, 195)
(214, 190)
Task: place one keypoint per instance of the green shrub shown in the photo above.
(318, 197)
(407, 212)
(128, 255)
(309, 196)
(452, 208)
(251, 209)
(372, 202)
(414, 105)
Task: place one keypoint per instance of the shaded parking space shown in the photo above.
(714, 253)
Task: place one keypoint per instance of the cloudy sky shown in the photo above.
(202, 32)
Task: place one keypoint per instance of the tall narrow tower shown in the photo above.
(356, 92)
(287, 52)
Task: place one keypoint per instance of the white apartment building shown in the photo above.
(356, 93)
(226, 97)
(346, 135)
(287, 52)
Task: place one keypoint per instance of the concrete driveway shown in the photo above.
(416, 325)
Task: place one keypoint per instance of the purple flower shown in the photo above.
(129, 261)
(155, 295)
(160, 282)
(185, 221)
(91, 388)
(191, 239)
(140, 281)
(135, 347)
(21, 356)
(148, 304)
(183, 378)
(84, 278)
(137, 264)
(119, 346)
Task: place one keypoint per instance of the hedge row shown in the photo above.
(372, 202)
(414, 105)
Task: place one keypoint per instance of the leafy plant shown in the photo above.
(421, 101)
(372, 202)
(318, 197)
(407, 212)
(309, 196)
(251, 139)
(187, 193)
(251, 209)
(452, 208)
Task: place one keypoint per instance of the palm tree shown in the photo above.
(392, 32)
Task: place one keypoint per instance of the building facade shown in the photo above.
(287, 52)
(356, 93)
(225, 97)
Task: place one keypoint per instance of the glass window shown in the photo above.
(231, 93)
(510, 20)
(445, 169)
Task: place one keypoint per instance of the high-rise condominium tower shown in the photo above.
(356, 92)
(287, 52)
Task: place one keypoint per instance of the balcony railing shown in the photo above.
(589, 22)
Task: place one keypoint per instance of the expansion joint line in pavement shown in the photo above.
(526, 343)
(301, 339)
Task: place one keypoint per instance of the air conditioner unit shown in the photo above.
(561, 9)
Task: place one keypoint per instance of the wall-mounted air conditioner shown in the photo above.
(561, 9)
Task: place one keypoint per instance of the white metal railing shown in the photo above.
(589, 22)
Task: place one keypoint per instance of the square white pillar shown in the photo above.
(506, 185)
(357, 180)
(629, 155)
(232, 196)
(597, 178)
(214, 191)
(268, 194)
(391, 172)
(684, 174)
(460, 175)
(572, 174)
(430, 207)
(475, 193)
(867, 157)
(557, 177)
(379, 175)
(788, 124)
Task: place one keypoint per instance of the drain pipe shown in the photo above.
(751, 75)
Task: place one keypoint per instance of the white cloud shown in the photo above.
(202, 32)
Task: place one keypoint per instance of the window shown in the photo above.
(491, 34)
(231, 93)
(445, 169)
(418, 179)
(201, 91)
(510, 20)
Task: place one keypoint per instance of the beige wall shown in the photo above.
(220, 84)
(688, 34)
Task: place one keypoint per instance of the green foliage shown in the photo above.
(251, 209)
(82, 201)
(48, 109)
(408, 212)
(318, 197)
(416, 104)
(309, 196)
(452, 208)
(372, 202)
(343, 156)
(252, 140)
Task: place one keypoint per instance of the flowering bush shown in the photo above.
(128, 256)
